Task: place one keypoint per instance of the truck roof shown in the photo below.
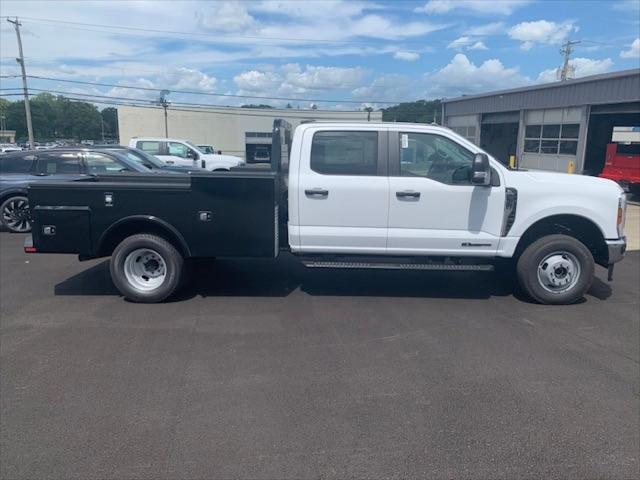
(161, 139)
(339, 125)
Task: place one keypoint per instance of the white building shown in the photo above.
(234, 131)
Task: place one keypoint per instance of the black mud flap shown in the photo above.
(610, 272)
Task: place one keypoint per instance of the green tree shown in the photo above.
(110, 122)
(251, 105)
(421, 111)
(54, 117)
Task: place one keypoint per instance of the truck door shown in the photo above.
(181, 154)
(60, 165)
(433, 207)
(342, 191)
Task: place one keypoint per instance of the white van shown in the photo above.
(178, 152)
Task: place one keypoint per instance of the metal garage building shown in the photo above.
(235, 131)
(550, 126)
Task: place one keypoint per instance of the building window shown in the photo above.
(257, 134)
(552, 132)
(469, 133)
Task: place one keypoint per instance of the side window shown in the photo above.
(345, 153)
(99, 163)
(150, 147)
(60, 163)
(17, 163)
(178, 149)
(435, 157)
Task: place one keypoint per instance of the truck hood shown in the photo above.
(569, 180)
(220, 159)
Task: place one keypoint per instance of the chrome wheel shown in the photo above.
(145, 269)
(559, 272)
(15, 214)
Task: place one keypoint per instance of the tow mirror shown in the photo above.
(481, 170)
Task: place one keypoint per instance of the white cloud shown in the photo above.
(541, 31)
(497, 7)
(583, 67)
(488, 29)
(460, 42)
(293, 80)
(319, 77)
(629, 6)
(257, 81)
(634, 50)
(175, 79)
(468, 43)
(387, 87)
(461, 76)
(478, 46)
(225, 16)
(406, 56)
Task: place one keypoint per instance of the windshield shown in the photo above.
(206, 148)
(195, 147)
(144, 158)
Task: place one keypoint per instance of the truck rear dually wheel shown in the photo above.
(146, 268)
(556, 270)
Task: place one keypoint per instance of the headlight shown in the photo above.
(622, 210)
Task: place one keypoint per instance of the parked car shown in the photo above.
(8, 148)
(18, 170)
(146, 159)
(346, 195)
(175, 152)
(262, 155)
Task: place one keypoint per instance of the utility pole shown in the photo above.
(566, 71)
(27, 107)
(165, 105)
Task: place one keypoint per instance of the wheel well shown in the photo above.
(15, 193)
(575, 226)
(113, 237)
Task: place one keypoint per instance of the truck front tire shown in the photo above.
(556, 270)
(146, 268)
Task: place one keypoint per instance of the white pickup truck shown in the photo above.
(183, 153)
(344, 195)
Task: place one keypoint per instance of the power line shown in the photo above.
(195, 92)
(198, 34)
(178, 106)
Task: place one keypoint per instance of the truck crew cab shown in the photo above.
(344, 195)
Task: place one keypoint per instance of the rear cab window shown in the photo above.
(16, 164)
(154, 148)
(345, 153)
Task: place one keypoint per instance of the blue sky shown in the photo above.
(352, 51)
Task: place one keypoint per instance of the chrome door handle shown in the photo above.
(316, 192)
(408, 194)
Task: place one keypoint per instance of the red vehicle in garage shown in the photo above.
(622, 162)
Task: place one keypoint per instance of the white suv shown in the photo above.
(184, 153)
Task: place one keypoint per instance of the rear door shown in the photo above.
(156, 148)
(60, 165)
(343, 191)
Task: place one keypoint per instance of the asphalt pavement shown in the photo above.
(262, 369)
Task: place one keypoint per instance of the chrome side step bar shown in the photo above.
(398, 266)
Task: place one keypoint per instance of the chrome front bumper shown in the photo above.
(616, 249)
(616, 252)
